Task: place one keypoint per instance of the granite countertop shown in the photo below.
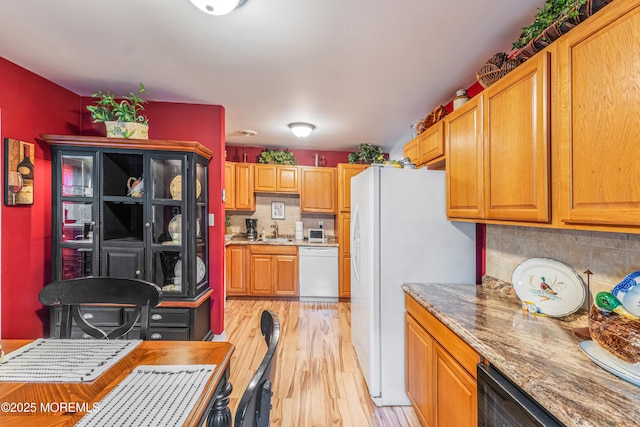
(330, 241)
(539, 354)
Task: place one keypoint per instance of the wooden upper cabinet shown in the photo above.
(412, 150)
(318, 190)
(244, 197)
(229, 185)
(276, 178)
(346, 171)
(516, 144)
(600, 131)
(464, 146)
(431, 144)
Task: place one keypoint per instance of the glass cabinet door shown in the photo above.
(76, 216)
(202, 251)
(168, 224)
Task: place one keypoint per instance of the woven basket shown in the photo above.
(433, 117)
(496, 68)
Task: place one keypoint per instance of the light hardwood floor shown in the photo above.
(318, 381)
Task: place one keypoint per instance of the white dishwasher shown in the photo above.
(318, 273)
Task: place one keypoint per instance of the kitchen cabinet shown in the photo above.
(465, 160)
(599, 126)
(441, 371)
(344, 255)
(236, 271)
(318, 190)
(346, 171)
(431, 146)
(517, 144)
(276, 178)
(244, 197)
(273, 270)
(157, 232)
(411, 150)
(230, 185)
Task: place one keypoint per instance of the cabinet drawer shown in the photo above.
(161, 334)
(464, 354)
(97, 316)
(172, 317)
(273, 250)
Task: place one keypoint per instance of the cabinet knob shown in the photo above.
(87, 316)
(86, 336)
(156, 336)
(156, 317)
(148, 224)
(138, 273)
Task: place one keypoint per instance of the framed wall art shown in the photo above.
(19, 165)
(277, 210)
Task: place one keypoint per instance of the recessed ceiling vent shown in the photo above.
(248, 133)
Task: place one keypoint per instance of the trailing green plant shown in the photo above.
(227, 221)
(552, 11)
(278, 157)
(367, 153)
(126, 109)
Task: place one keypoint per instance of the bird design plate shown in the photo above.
(627, 371)
(553, 286)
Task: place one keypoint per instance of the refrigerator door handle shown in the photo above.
(355, 243)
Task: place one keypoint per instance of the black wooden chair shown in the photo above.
(255, 405)
(72, 293)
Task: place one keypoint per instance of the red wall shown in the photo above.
(304, 157)
(29, 106)
(205, 124)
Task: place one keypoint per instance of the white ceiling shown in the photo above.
(360, 70)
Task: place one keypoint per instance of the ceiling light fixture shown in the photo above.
(218, 7)
(300, 129)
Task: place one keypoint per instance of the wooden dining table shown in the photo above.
(65, 403)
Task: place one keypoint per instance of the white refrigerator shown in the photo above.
(399, 234)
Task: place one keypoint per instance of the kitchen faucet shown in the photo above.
(275, 226)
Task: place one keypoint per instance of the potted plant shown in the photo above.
(368, 153)
(227, 224)
(278, 157)
(122, 116)
(551, 21)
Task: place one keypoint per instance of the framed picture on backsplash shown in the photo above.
(18, 176)
(277, 210)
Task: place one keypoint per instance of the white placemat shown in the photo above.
(151, 395)
(55, 360)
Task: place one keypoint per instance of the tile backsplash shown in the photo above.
(609, 256)
(291, 215)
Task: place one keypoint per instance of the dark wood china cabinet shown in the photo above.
(134, 209)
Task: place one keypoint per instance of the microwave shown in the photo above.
(316, 235)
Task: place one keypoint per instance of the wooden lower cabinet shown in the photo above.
(262, 270)
(440, 371)
(236, 270)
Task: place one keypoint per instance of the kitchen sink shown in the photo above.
(277, 240)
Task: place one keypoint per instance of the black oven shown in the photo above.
(503, 404)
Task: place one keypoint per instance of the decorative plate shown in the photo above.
(177, 270)
(175, 188)
(627, 371)
(553, 286)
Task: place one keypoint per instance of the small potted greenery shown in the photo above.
(227, 225)
(368, 153)
(122, 117)
(278, 157)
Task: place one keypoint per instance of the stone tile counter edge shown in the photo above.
(330, 242)
(539, 354)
